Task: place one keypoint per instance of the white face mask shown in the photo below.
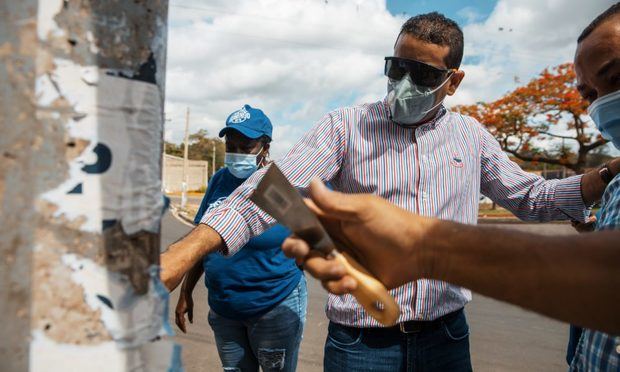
(605, 111)
(241, 165)
(410, 103)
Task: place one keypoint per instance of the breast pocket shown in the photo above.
(453, 180)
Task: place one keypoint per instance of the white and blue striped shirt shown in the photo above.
(599, 351)
(437, 169)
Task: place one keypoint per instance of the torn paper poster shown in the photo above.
(46, 24)
(46, 355)
(117, 177)
(130, 319)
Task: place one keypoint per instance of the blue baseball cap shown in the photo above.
(251, 122)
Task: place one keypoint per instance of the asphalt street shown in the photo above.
(503, 337)
(191, 199)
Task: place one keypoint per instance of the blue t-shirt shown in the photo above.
(255, 279)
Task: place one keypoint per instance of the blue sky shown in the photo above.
(299, 59)
(461, 11)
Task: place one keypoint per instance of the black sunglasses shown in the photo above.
(421, 73)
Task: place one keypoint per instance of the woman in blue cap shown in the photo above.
(257, 297)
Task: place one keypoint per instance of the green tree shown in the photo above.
(173, 149)
(201, 148)
(523, 121)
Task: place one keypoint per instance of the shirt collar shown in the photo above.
(441, 113)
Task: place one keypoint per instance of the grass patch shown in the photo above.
(486, 211)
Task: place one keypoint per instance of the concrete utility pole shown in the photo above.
(163, 169)
(213, 159)
(163, 159)
(82, 91)
(184, 184)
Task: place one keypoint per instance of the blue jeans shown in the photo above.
(441, 348)
(269, 341)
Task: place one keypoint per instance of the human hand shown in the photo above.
(383, 238)
(584, 227)
(185, 305)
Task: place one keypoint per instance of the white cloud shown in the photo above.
(519, 39)
(298, 59)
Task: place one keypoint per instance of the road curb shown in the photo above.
(515, 221)
(178, 214)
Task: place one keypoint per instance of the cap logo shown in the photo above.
(240, 116)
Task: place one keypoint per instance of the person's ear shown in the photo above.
(265, 153)
(455, 81)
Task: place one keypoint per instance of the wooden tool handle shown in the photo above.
(370, 292)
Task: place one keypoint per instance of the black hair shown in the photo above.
(435, 28)
(612, 11)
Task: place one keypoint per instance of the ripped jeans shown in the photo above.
(270, 341)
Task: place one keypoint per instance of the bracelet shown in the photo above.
(605, 174)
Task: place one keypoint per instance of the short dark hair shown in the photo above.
(435, 28)
(612, 11)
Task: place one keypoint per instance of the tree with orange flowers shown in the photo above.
(544, 121)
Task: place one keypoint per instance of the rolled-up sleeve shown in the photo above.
(318, 154)
(530, 197)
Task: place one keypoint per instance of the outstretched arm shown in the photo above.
(529, 196)
(570, 278)
(574, 278)
(182, 255)
(230, 226)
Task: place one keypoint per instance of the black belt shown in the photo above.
(416, 326)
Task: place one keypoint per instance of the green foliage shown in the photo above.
(173, 149)
(200, 148)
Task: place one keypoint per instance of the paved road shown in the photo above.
(503, 337)
(191, 199)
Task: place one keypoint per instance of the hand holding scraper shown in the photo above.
(276, 196)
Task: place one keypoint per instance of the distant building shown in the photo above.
(197, 174)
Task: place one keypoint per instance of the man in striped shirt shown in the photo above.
(411, 151)
(573, 279)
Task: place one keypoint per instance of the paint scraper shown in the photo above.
(276, 196)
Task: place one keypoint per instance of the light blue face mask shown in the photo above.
(605, 111)
(241, 165)
(410, 103)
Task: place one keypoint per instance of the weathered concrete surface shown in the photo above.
(18, 161)
(59, 64)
